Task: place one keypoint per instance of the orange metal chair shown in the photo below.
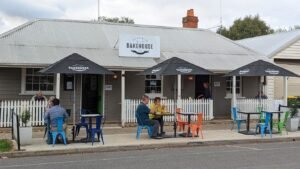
(180, 123)
(195, 127)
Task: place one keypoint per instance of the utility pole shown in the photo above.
(98, 10)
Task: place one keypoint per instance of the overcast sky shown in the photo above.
(277, 13)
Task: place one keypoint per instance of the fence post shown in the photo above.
(211, 111)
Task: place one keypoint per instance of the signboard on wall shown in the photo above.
(108, 87)
(139, 46)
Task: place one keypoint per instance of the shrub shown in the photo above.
(5, 145)
(25, 117)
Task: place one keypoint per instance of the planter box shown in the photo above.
(292, 124)
(25, 135)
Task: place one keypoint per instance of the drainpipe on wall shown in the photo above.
(123, 107)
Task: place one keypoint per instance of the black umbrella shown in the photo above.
(261, 68)
(75, 64)
(175, 66)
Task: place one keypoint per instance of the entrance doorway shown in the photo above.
(199, 80)
(92, 93)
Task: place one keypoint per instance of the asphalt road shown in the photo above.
(244, 156)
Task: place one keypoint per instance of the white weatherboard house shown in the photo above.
(126, 50)
(284, 49)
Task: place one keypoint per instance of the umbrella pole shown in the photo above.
(74, 107)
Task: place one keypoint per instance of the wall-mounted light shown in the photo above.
(190, 78)
(115, 76)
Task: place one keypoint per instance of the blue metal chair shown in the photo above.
(59, 131)
(98, 130)
(266, 125)
(236, 119)
(82, 122)
(141, 126)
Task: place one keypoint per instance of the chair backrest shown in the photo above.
(234, 113)
(268, 118)
(200, 119)
(59, 122)
(98, 122)
(178, 110)
(83, 111)
(138, 119)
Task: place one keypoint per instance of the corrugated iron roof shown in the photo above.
(44, 41)
(271, 44)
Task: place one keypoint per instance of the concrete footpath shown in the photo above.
(122, 139)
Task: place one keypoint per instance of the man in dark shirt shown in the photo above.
(142, 114)
(206, 92)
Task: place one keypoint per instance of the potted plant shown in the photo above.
(25, 129)
(293, 120)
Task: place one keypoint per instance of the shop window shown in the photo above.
(238, 85)
(153, 84)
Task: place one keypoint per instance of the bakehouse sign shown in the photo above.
(139, 46)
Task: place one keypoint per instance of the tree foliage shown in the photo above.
(247, 27)
(296, 27)
(117, 19)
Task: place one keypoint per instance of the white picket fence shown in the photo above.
(253, 104)
(36, 108)
(188, 105)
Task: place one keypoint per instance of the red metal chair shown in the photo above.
(195, 127)
(180, 123)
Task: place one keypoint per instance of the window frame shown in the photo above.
(229, 94)
(161, 87)
(23, 84)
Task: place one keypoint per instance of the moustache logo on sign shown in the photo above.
(184, 70)
(272, 71)
(245, 71)
(155, 70)
(78, 68)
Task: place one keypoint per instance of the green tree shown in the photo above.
(249, 26)
(296, 27)
(117, 19)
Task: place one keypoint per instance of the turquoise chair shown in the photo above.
(59, 131)
(236, 119)
(140, 128)
(266, 125)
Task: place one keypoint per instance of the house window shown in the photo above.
(34, 81)
(238, 85)
(153, 84)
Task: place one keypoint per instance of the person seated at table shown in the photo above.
(142, 113)
(261, 95)
(54, 112)
(158, 109)
(206, 92)
(39, 97)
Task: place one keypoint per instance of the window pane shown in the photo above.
(153, 76)
(29, 87)
(147, 76)
(36, 71)
(237, 90)
(44, 79)
(29, 79)
(147, 90)
(43, 87)
(238, 83)
(50, 79)
(36, 79)
(50, 87)
(35, 87)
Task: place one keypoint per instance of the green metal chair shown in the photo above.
(282, 124)
(261, 115)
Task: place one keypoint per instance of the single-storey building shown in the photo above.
(284, 49)
(125, 49)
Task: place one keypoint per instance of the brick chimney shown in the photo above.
(190, 21)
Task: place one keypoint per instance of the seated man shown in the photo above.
(142, 113)
(56, 111)
(157, 107)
